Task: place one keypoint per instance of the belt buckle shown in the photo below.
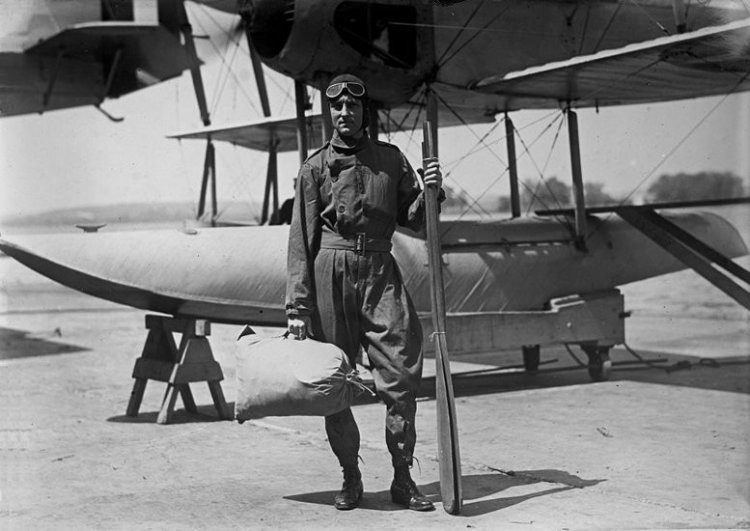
(359, 244)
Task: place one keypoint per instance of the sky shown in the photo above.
(78, 157)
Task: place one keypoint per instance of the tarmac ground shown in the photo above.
(661, 445)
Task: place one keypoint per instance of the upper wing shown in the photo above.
(85, 63)
(706, 62)
(151, 50)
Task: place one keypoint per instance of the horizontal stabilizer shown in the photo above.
(705, 62)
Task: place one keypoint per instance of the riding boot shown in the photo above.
(405, 492)
(351, 490)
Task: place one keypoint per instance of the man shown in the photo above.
(344, 287)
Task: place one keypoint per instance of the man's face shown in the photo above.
(347, 114)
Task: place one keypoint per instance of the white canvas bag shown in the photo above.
(281, 376)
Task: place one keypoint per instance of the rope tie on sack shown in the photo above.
(354, 379)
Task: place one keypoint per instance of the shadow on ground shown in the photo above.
(729, 374)
(204, 413)
(482, 493)
(558, 369)
(22, 344)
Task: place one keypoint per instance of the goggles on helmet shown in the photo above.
(352, 87)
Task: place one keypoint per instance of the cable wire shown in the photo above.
(671, 152)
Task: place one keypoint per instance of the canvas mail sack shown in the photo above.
(280, 376)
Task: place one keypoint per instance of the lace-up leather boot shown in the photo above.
(351, 490)
(405, 492)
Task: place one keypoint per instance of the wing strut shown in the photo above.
(271, 183)
(209, 175)
(702, 258)
(575, 163)
(678, 12)
(271, 192)
(52, 80)
(209, 163)
(300, 99)
(510, 143)
(260, 78)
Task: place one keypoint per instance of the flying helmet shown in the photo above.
(349, 83)
(355, 87)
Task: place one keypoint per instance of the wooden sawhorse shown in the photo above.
(193, 362)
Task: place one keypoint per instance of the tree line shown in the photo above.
(554, 193)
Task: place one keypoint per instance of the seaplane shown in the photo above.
(521, 282)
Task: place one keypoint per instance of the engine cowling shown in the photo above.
(388, 43)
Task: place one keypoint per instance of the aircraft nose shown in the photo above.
(268, 23)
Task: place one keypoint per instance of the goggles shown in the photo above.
(352, 87)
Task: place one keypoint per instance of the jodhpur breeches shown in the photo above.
(361, 301)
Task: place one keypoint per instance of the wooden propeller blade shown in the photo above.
(448, 449)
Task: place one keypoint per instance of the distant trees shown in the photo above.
(503, 204)
(550, 193)
(596, 196)
(553, 193)
(455, 200)
(695, 186)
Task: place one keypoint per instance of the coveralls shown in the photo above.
(341, 274)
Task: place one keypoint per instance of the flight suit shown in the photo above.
(341, 274)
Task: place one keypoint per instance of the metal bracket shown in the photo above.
(108, 86)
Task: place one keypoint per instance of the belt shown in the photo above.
(359, 243)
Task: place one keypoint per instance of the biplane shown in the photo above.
(522, 282)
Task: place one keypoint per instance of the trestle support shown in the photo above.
(164, 361)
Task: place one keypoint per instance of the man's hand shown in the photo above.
(432, 175)
(298, 327)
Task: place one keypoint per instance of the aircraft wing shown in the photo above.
(84, 63)
(709, 61)
(260, 134)
(149, 48)
(283, 131)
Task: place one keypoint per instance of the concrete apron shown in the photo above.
(614, 455)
